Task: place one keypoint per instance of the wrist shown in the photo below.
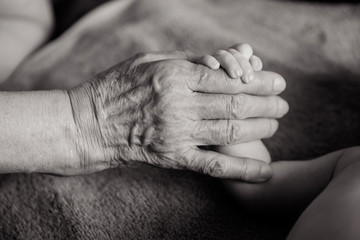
(37, 133)
(88, 138)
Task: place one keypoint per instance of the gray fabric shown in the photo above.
(314, 46)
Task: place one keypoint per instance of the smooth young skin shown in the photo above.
(328, 186)
(237, 61)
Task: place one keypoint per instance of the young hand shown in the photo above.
(237, 61)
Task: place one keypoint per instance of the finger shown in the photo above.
(209, 81)
(229, 63)
(248, 72)
(239, 106)
(245, 49)
(256, 63)
(226, 132)
(222, 166)
(162, 55)
(208, 61)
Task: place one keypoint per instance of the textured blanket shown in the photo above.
(316, 47)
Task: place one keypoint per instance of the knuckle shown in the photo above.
(213, 167)
(165, 69)
(228, 139)
(165, 83)
(244, 173)
(160, 79)
(202, 74)
(223, 132)
(231, 107)
(187, 159)
(236, 107)
(162, 67)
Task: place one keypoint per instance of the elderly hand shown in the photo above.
(158, 111)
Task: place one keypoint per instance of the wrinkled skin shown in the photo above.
(148, 109)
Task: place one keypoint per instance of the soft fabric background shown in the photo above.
(316, 47)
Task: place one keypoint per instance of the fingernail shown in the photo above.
(237, 73)
(250, 77)
(245, 79)
(214, 64)
(265, 172)
(279, 85)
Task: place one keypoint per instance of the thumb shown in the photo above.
(223, 166)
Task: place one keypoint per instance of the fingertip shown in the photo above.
(212, 62)
(283, 108)
(279, 84)
(229, 63)
(266, 173)
(256, 63)
(237, 73)
(209, 61)
(245, 49)
(243, 64)
(248, 78)
(268, 83)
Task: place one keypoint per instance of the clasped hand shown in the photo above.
(158, 108)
